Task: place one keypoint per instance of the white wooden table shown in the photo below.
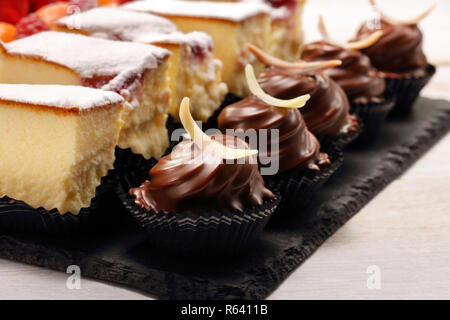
(404, 231)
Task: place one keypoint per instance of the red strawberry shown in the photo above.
(112, 2)
(84, 5)
(12, 11)
(279, 3)
(29, 25)
(37, 4)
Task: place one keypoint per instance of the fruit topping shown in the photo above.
(35, 5)
(12, 11)
(53, 12)
(107, 2)
(30, 25)
(7, 32)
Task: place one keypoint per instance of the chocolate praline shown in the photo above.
(399, 50)
(359, 79)
(327, 112)
(193, 178)
(295, 147)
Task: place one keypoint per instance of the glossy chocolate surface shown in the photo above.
(398, 51)
(326, 113)
(296, 147)
(193, 178)
(359, 79)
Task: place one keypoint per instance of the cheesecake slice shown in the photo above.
(287, 36)
(139, 72)
(287, 28)
(231, 26)
(56, 143)
(194, 72)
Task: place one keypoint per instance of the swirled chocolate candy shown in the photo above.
(296, 146)
(327, 112)
(398, 51)
(193, 178)
(359, 79)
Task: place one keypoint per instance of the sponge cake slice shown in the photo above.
(137, 71)
(231, 25)
(56, 143)
(194, 72)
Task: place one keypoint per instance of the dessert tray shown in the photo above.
(118, 252)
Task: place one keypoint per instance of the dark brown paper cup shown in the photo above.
(298, 188)
(372, 116)
(18, 216)
(200, 234)
(333, 145)
(406, 90)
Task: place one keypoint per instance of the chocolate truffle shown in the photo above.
(291, 153)
(197, 175)
(359, 79)
(327, 113)
(296, 146)
(399, 51)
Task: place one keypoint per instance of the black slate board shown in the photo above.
(119, 253)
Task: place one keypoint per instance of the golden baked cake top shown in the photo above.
(75, 99)
(118, 24)
(231, 11)
(91, 57)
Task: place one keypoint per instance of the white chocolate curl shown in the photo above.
(301, 66)
(357, 45)
(204, 141)
(256, 89)
(395, 21)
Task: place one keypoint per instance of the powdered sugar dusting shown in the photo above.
(200, 39)
(118, 24)
(280, 13)
(124, 24)
(277, 12)
(66, 97)
(90, 56)
(232, 11)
